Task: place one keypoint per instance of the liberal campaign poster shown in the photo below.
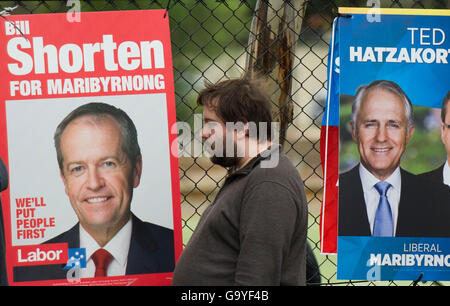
(86, 109)
(385, 100)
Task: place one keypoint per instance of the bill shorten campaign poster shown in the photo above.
(388, 79)
(86, 108)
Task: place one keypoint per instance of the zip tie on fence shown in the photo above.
(167, 9)
(344, 15)
(418, 280)
(6, 12)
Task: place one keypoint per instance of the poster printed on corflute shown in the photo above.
(389, 78)
(86, 108)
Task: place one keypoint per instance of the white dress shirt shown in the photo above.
(446, 174)
(118, 247)
(372, 196)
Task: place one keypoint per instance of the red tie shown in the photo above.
(101, 259)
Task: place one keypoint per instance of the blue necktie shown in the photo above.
(384, 225)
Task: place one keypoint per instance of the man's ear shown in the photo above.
(137, 171)
(410, 132)
(353, 130)
(246, 129)
(241, 130)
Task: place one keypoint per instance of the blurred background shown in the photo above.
(210, 42)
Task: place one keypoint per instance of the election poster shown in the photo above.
(86, 110)
(386, 219)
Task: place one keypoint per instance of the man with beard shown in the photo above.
(255, 231)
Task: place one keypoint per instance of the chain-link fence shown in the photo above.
(210, 42)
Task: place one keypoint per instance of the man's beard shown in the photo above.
(225, 162)
(223, 157)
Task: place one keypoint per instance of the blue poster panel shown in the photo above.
(394, 190)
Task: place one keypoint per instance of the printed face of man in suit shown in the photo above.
(381, 131)
(98, 176)
(445, 132)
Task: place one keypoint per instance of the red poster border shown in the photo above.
(149, 16)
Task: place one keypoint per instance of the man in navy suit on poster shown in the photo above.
(442, 174)
(100, 164)
(377, 197)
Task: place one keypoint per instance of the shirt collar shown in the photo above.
(118, 246)
(368, 180)
(446, 173)
(255, 161)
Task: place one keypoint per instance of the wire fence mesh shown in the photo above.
(210, 42)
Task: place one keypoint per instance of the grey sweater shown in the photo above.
(254, 233)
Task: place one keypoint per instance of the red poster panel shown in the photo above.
(85, 115)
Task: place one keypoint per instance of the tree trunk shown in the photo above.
(273, 36)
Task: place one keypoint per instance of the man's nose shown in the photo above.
(94, 181)
(205, 133)
(381, 134)
(206, 130)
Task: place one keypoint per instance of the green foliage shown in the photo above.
(207, 37)
(425, 151)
